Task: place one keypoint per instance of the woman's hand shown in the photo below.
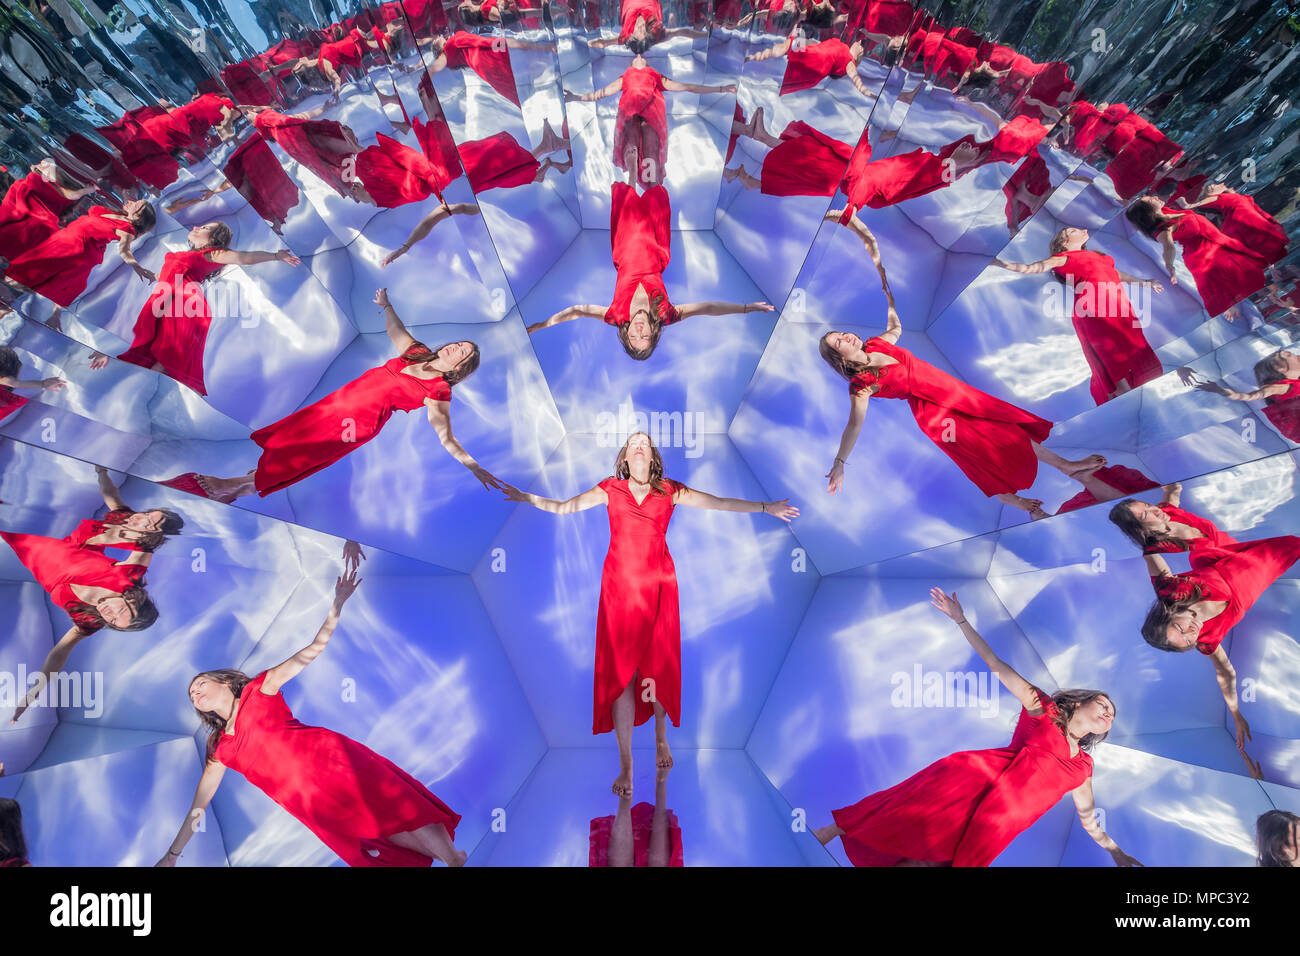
(1214, 387)
(381, 298)
(947, 603)
(1243, 731)
(572, 97)
(514, 494)
(1155, 285)
(143, 273)
(781, 509)
(352, 556)
(836, 476)
(488, 479)
(98, 361)
(53, 384)
(345, 586)
(284, 255)
(1123, 859)
(759, 307)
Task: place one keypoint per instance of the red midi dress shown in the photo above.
(807, 67)
(988, 439)
(29, 214)
(94, 527)
(638, 631)
(1284, 410)
(1205, 550)
(480, 55)
(632, 10)
(806, 162)
(317, 436)
(57, 565)
(642, 825)
(1226, 271)
(1108, 328)
(172, 328)
(60, 267)
(966, 808)
(352, 798)
(313, 144)
(1128, 481)
(642, 97)
(258, 176)
(10, 402)
(1237, 574)
(1244, 221)
(640, 241)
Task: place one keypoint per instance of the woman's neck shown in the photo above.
(639, 473)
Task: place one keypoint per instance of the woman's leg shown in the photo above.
(652, 173)
(1030, 505)
(663, 756)
(1070, 468)
(622, 842)
(624, 710)
(731, 175)
(827, 833)
(431, 840)
(659, 853)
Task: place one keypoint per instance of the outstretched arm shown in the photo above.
(857, 415)
(1031, 268)
(610, 90)
(112, 495)
(1021, 688)
(569, 314)
(440, 419)
(233, 257)
(54, 661)
(1226, 675)
(425, 226)
(1087, 807)
(393, 325)
(1260, 393)
(689, 309)
(781, 49)
(284, 672)
(1157, 566)
(1167, 248)
(588, 499)
(701, 499)
(203, 794)
(124, 250)
(852, 71)
(672, 86)
(1173, 494)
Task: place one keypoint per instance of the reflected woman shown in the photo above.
(811, 63)
(639, 233)
(965, 809)
(1278, 377)
(1197, 609)
(638, 670)
(93, 589)
(995, 444)
(361, 805)
(315, 437)
(1277, 839)
(123, 527)
(11, 367)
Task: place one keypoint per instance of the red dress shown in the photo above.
(313, 438)
(498, 162)
(94, 527)
(395, 174)
(1033, 177)
(806, 162)
(60, 267)
(1284, 410)
(57, 565)
(1107, 326)
(966, 808)
(305, 141)
(147, 159)
(352, 798)
(258, 176)
(1205, 550)
(172, 328)
(201, 114)
(988, 439)
(643, 815)
(341, 53)
(1015, 140)
(29, 214)
(1127, 481)
(637, 624)
(1238, 575)
(897, 178)
(10, 402)
(1226, 271)
(1245, 221)
(807, 67)
(478, 53)
(640, 240)
(632, 10)
(889, 17)
(642, 96)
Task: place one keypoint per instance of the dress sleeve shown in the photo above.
(439, 390)
(135, 572)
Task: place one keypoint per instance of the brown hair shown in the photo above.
(144, 611)
(1057, 246)
(1155, 629)
(1273, 831)
(1067, 702)
(419, 353)
(1267, 371)
(843, 367)
(623, 470)
(661, 313)
(236, 681)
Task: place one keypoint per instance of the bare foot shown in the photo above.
(827, 833)
(663, 756)
(1091, 463)
(730, 175)
(622, 786)
(458, 858)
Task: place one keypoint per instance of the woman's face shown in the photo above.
(638, 449)
(1096, 716)
(1288, 363)
(211, 696)
(115, 611)
(1150, 517)
(450, 357)
(145, 521)
(1184, 629)
(845, 343)
(1290, 849)
(1074, 237)
(201, 236)
(638, 330)
(133, 206)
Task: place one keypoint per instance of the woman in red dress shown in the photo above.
(95, 591)
(123, 527)
(396, 174)
(171, 331)
(32, 205)
(809, 65)
(965, 809)
(1107, 483)
(345, 50)
(311, 439)
(641, 127)
(1108, 327)
(639, 237)
(11, 367)
(647, 834)
(1225, 269)
(258, 176)
(361, 805)
(489, 57)
(638, 633)
(1244, 220)
(325, 147)
(1278, 377)
(60, 267)
(995, 444)
(1197, 609)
